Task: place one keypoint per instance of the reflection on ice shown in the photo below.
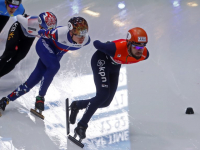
(108, 127)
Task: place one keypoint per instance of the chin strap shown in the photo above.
(129, 49)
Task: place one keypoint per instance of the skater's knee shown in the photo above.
(103, 96)
(100, 99)
(7, 57)
(106, 103)
(54, 68)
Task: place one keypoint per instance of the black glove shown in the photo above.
(25, 15)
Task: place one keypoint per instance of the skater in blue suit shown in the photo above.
(53, 44)
(9, 8)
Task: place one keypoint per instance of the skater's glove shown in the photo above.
(44, 33)
(25, 15)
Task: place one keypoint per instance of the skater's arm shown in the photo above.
(108, 48)
(22, 20)
(52, 33)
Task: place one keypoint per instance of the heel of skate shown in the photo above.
(35, 112)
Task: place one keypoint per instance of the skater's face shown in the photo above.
(137, 51)
(77, 38)
(11, 8)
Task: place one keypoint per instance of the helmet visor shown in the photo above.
(80, 36)
(13, 6)
(137, 47)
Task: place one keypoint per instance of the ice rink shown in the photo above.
(148, 110)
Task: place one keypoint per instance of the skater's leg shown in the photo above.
(114, 77)
(34, 78)
(24, 46)
(51, 62)
(11, 48)
(36, 75)
(21, 90)
(100, 67)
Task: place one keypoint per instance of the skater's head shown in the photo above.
(12, 5)
(78, 29)
(47, 20)
(136, 41)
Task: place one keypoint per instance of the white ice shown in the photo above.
(148, 111)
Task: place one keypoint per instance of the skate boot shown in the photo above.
(39, 107)
(3, 102)
(74, 112)
(80, 131)
(39, 104)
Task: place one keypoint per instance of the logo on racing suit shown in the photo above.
(11, 35)
(119, 55)
(102, 73)
(87, 107)
(12, 31)
(104, 85)
(29, 31)
(100, 62)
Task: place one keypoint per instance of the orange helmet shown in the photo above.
(137, 36)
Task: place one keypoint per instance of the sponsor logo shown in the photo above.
(15, 2)
(14, 27)
(33, 29)
(47, 46)
(29, 31)
(16, 48)
(128, 36)
(102, 73)
(11, 35)
(87, 107)
(119, 55)
(77, 45)
(142, 39)
(103, 85)
(100, 62)
(70, 26)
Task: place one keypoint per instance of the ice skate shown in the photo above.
(39, 107)
(80, 131)
(3, 102)
(74, 111)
